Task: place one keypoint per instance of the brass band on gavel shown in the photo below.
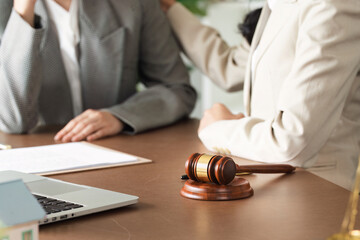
(202, 168)
(210, 168)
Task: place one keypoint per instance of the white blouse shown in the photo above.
(255, 56)
(67, 26)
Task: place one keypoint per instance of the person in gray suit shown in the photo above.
(78, 62)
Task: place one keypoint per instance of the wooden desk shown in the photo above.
(297, 206)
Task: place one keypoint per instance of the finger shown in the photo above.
(97, 135)
(76, 125)
(64, 131)
(66, 134)
(88, 130)
(69, 127)
(207, 113)
(240, 115)
(81, 125)
(94, 123)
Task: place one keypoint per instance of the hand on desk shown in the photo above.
(218, 112)
(90, 125)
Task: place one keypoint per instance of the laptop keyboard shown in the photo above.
(52, 205)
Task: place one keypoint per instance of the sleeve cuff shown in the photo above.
(129, 126)
(214, 141)
(18, 29)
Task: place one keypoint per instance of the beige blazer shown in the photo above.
(302, 100)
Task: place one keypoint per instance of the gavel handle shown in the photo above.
(265, 168)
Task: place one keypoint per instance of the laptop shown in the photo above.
(63, 200)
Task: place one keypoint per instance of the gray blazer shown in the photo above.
(122, 42)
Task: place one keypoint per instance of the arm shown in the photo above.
(313, 96)
(169, 96)
(224, 65)
(20, 78)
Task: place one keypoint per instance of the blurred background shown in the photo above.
(224, 16)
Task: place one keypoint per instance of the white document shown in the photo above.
(63, 158)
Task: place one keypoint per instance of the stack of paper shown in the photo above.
(63, 158)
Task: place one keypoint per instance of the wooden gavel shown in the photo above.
(222, 170)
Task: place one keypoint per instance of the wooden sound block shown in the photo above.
(238, 188)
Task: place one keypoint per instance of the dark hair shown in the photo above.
(247, 28)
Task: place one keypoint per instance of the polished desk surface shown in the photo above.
(296, 206)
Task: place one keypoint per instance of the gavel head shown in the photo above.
(210, 168)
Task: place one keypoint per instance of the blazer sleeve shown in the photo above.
(20, 75)
(169, 95)
(313, 96)
(223, 64)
